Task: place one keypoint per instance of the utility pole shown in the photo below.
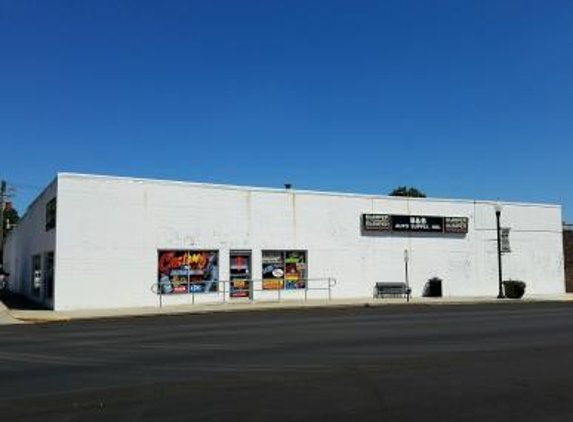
(500, 294)
(2, 207)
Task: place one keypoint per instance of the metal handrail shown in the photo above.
(330, 283)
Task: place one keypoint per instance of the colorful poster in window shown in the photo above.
(284, 270)
(240, 274)
(186, 271)
(240, 288)
(273, 270)
(295, 270)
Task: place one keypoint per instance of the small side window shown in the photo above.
(51, 215)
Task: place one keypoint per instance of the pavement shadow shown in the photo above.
(21, 303)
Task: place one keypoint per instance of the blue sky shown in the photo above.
(463, 99)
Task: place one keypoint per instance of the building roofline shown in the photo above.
(31, 205)
(299, 192)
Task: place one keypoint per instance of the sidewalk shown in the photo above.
(13, 316)
(6, 317)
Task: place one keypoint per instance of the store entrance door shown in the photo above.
(48, 288)
(240, 274)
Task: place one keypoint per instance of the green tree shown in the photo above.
(11, 218)
(410, 192)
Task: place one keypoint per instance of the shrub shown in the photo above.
(514, 289)
(433, 287)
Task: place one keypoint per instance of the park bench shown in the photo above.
(382, 290)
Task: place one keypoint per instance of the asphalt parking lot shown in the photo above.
(396, 363)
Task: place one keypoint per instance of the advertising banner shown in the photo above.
(414, 223)
(188, 271)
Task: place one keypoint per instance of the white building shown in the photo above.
(113, 238)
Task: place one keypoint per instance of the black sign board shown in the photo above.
(455, 225)
(376, 222)
(417, 223)
(414, 223)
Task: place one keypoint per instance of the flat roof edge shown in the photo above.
(297, 191)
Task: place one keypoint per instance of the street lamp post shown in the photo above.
(407, 278)
(500, 294)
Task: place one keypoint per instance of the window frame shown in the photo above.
(283, 281)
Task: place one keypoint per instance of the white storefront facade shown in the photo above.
(104, 242)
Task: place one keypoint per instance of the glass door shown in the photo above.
(240, 274)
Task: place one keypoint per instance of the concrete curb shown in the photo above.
(43, 316)
(41, 319)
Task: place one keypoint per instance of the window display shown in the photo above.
(284, 270)
(295, 270)
(240, 274)
(273, 270)
(187, 271)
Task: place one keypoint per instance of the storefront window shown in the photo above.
(188, 271)
(240, 274)
(295, 270)
(284, 270)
